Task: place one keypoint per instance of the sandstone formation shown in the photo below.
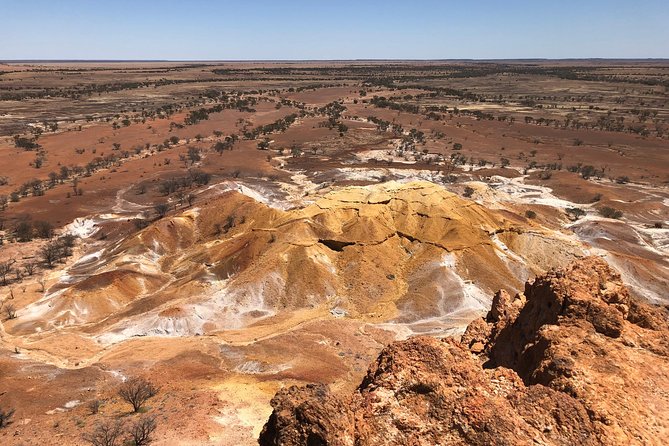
(572, 360)
(412, 254)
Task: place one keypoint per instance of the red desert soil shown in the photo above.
(245, 227)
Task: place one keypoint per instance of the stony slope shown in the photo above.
(572, 360)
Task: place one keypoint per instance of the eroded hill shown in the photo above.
(411, 254)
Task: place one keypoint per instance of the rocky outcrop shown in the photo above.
(572, 360)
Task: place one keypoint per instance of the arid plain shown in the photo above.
(226, 230)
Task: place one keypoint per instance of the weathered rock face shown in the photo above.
(573, 360)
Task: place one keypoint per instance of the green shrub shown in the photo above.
(609, 212)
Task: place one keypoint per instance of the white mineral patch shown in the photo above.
(81, 227)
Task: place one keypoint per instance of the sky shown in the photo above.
(322, 30)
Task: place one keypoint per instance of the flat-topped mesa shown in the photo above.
(572, 360)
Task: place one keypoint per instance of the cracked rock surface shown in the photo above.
(572, 360)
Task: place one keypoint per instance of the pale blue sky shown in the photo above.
(302, 29)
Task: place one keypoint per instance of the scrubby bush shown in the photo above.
(596, 198)
(94, 406)
(137, 391)
(25, 143)
(43, 229)
(141, 430)
(6, 269)
(57, 250)
(575, 212)
(115, 433)
(587, 172)
(24, 231)
(109, 433)
(6, 417)
(194, 155)
(609, 212)
(140, 223)
(161, 209)
(9, 310)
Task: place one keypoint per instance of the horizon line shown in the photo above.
(521, 59)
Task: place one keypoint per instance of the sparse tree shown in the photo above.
(53, 179)
(140, 223)
(587, 172)
(194, 155)
(109, 433)
(161, 209)
(38, 162)
(30, 267)
(43, 229)
(10, 310)
(6, 269)
(94, 406)
(295, 151)
(137, 391)
(50, 253)
(181, 197)
(141, 430)
(24, 231)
